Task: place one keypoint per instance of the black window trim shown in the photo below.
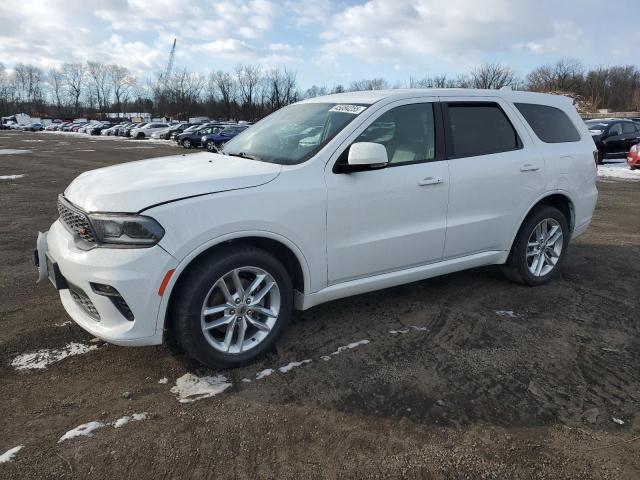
(439, 154)
(470, 103)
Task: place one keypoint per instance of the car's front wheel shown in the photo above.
(211, 146)
(232, 306)
(538, 251)
(186, 143)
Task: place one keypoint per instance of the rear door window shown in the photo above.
(628, 127)
(550, 124)
(479, 128)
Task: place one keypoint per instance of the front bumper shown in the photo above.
(136, 273)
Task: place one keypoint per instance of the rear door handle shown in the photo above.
(430, 181)
(527, 167)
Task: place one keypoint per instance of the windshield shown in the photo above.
(293, 134)
(595, 125)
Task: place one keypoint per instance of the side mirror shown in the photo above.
(368, 154)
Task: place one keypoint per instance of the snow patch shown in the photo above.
(344, 348)
(163, 381)
(618, 170)
(84, 430)
(11, 177)
(292, 365)
(86, 150)
(619, 421)
(264, 373)
(63, 324)
(190, 388)
(507, 314)
(33, 140)
(43, 358)
(136, 417)
(12, 151)
(402, 331)
(9, 454)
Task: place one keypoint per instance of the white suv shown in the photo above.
(148, 129)
(327, 198)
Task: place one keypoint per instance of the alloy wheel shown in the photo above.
(240, 310)
(544, 247)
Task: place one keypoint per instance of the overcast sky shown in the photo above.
(326, 41)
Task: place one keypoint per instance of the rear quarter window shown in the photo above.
(550, 124)
(479, 128)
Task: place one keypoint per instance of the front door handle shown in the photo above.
(430, 181)
(527, 167)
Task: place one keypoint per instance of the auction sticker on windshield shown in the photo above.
(354, 109)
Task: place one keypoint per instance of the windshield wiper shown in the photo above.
(241, 155)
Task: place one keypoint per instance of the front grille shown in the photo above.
(84, 301)
(75, 220)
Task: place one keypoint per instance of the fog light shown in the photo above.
(115, 297)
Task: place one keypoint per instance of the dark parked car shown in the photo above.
(214, 141)
(98, 127)
(613, 137)
(126, 131)
(174, 130)
(192, 138)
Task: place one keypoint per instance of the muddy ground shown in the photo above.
(463, 389)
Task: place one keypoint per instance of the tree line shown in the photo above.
(249, 92)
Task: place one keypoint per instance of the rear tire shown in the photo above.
(211, 146)
(536, 256)
(201, 288)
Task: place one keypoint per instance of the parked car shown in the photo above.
(216, 250)
(172, 129)
(111, 130)
(33, 127)
(192, 138)
(126, 132)
(99, 127)
(213, 141)
(633, 157)
(145, 131)
(120, 129)
(190, 128)
(613, 137)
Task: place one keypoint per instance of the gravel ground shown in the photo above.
(463, 376)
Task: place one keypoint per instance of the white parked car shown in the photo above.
(148, 129)
(402, 185)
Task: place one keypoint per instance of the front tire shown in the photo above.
(211, 146)
(232, 306)
(539, 249)
(186, 143)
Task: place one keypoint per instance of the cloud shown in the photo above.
(382, 31)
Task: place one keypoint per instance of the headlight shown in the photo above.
(126, 230)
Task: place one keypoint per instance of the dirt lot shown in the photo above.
(481, 379)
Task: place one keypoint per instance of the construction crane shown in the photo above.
(164, 78)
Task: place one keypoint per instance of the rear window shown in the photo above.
(479, 128)
(550, 124)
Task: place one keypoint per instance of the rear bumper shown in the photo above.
(135, 273)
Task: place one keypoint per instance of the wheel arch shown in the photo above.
(283, 249)
(557, 199)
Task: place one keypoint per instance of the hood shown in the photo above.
(134, 186)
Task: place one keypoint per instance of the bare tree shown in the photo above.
(248, 78)
(492, 76)
(56, 82)
(29, 80)
(281, 86)
(99, 75)
(369, 84)
(73, 75)
(566, 75)
(120, 82)
(224, 85)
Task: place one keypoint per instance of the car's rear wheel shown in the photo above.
(186, 143)
(211, 146)
(232, 306)
(538, 251)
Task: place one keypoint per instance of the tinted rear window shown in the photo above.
(550, 124)
(480, 129)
